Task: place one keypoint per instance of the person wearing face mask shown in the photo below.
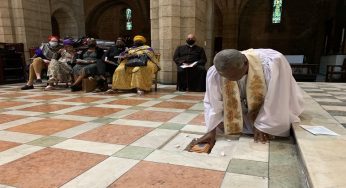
(87, 64)
(43, 55)
(111, 56)
(190, 60)
(60, 70)
(128, 77)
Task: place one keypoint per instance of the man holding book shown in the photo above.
(190, 60)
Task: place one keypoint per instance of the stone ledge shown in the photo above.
(324, 157)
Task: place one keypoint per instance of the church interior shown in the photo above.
(140, 138)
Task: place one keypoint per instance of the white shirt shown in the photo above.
(283, 102)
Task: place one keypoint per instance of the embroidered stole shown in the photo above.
(255, 94)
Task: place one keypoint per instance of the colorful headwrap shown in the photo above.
(139, 38)
(68, 42)
(51, 37)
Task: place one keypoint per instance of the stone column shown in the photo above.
(171, 22)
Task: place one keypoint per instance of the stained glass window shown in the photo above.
(128, 15)
(277, 10)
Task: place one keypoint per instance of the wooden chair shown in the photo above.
(336, 70)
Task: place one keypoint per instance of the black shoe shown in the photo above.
(75, 88)
(38, 81)
(26, 87)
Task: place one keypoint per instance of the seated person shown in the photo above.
(43, 55)
(61, 70)
(138, 77)
(111, 56)
(190, 78)
(86, 64)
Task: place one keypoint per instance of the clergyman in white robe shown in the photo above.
(283, 101)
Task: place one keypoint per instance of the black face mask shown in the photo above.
(190, 41)
(138, 44)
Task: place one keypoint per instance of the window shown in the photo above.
(128, 16)
(277, 10)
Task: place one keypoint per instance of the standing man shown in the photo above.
(251, 92)
(190, 60)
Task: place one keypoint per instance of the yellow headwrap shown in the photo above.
(139, 38)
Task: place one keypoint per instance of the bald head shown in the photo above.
(231, 63)
(191, 36)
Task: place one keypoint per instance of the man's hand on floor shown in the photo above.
(260, 136)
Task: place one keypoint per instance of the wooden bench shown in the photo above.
(304, 72)
(336, 73)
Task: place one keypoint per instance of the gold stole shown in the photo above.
(255, 94)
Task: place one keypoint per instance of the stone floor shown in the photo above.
(64, 139)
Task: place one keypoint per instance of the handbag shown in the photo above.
(137, 61)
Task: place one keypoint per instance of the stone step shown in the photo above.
(323, 157)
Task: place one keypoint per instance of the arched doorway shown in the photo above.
(113, 18)
(64, 24)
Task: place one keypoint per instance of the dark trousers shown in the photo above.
(191, 79)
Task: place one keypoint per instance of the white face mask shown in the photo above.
(53, 44)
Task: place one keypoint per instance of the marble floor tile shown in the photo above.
(249, 150)
(84, 99)
(95, 111)
(224, 147)
(96, 178)
(47, 141)
(128, 102)
(155, 138)
(134, 152)
(198, 106)
(247, 167)
(71, 109)
(147, 115)
(180, 142)
(175, 105)
(172, 126)
(8, 104)
(16, 153)
(341, 119)
(195, 129)
(122, 113)
(320, 94)
(48, 168)
(74, 131)
(8, 118)
(185, 158)
(199, 120)
(75, 118)
(149, 103)
(46, 97)
(168, 97)
(149, 174)
(25, 105)
(17, 137)
(89, 147)
(22, 113)
(335, 108)
(46, 108)
(327, 100)
(4, 145)
(112, 106)
(165, 109)
(5, 186)
(114, 134)
(243, 181)
(45, 126)
(138, 123)
(183, 118)
(189, 97)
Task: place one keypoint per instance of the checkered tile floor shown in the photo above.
(331, 96)
(59, 138)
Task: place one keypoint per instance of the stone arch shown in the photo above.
(66, 22)
(107, 21)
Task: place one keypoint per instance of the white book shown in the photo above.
(318, 130)
(190, 65)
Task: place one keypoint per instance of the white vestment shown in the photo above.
(282, 105)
